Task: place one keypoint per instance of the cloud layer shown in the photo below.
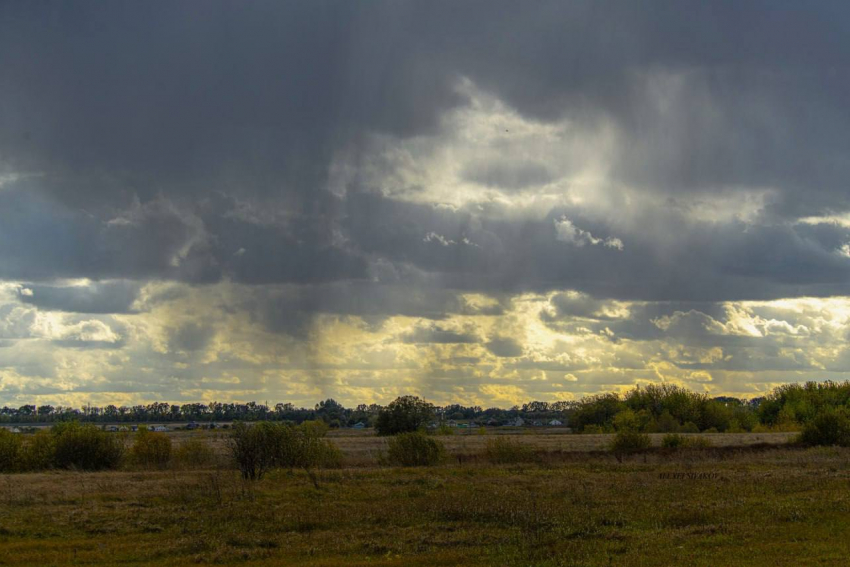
(471, 201)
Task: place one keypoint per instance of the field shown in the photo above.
(362, 448)
(744, 502)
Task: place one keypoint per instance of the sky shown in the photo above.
(476, 202)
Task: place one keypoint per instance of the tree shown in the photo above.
(405, 414)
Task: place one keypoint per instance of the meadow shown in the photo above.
(750, 499)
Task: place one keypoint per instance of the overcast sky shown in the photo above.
(477, 202)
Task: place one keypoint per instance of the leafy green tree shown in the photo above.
(597, 411)
(405, 414)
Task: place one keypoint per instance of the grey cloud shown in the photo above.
(96, 297)
(439, 335)
(577, 305)
(254, 102)
(291, 309)
(190, 337)
(505, 347)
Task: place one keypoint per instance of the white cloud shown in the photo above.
(566, 231)
(438, 238)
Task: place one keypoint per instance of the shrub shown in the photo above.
(403, 415)
(828, 427)
(445, 430)
(503, 450)
(673, 441)
(312, 449)
(39, 452)
(699, 443)
(10, 451)
(689, 427)
(194, 453)
(263, 446)
(86, 447)
(676, 441)
(414, 450)
(629, 441)
(254, 448)
(151, 449)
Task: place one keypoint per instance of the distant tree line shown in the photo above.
(330, 411)
(658, 408)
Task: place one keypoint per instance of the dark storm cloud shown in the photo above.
(291, 310)
(192, 141)
(709, 261)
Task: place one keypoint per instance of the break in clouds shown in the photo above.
(466, 201)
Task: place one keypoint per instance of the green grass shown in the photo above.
(779, 506)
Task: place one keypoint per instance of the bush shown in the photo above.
(445, 430)
(39, 452)
(676, 441)
(414, 450)
(255, 448)
(828, 427)
(10, 451)
(699, 443)
(151, 449)
(194, 453)
(629, 441)
(313, 450)
(673, 441)
(503, 450)
(264, 446)
(689, 427)
(86, 447)
(404, 415)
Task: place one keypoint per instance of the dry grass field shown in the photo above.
(363, 448)
(730, 505)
